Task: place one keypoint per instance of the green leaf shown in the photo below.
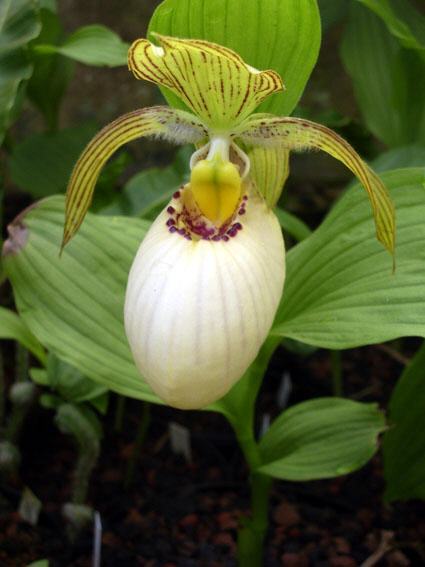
(14, 69)
(69, 383)
(340, 291)
(321, 438)
(74, 304)
(268, 34)
(19, 24)
(52, 73)
(332, 11)
(151, 189)
(93, 45)
(39, 563)
(83, 424)
(405, 22)
(406, 156)
(404, 442)
(389, 81)
(13, 327)
(39, 376)
(292, 224)
(101, 402)
(42, 163)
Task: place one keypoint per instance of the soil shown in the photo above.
(180, 513)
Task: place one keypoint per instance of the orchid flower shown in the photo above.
(208, 277)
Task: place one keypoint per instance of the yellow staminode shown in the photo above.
(216, 187)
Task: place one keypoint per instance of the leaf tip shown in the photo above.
(18, 233)
(17, 238)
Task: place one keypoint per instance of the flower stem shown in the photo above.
(251, 536)
(142, 429)
(254, 528)
(119, 413)
(239, 407)
(336, 364)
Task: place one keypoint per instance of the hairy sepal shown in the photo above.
(160, 121)
(299, 134)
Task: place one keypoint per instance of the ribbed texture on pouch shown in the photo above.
(197, 312)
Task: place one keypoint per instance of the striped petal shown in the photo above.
(197, 312)
(213, 81)
(161, 121)
(269, 171)
(299, 134)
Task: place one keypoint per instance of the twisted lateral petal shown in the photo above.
(197, 312)
(159, 120)
(269, 171)
(298, 134)
(213, 81)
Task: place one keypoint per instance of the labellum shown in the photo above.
(208, 277)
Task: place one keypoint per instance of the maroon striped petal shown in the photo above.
(161, 121)
(298, 134)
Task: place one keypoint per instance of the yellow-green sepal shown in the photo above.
(175, 125)
(213, 81)
(298, 134)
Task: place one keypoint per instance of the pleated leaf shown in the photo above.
(388, 80)
(74, 304)
(321, 438)
(267, 34)
(42, 163)
(402, 19)
(13, 327)
(404, 442)
(340, 291)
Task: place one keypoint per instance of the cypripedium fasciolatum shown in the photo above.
(208, 277)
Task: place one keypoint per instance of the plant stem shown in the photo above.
(86, 462)
(142, 429)
(254, 528)
(252, 535)
(22, 359)
(2, 392)
(240, 411)
(119, 413)
(336, 363)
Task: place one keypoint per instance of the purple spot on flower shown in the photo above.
(216, 237)
(182, 231)
(171, 210)
(172, 229)
(176, 195)
(237, 226)
(225, 238)
(245, 197)
(170, 222)
(242, 211)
